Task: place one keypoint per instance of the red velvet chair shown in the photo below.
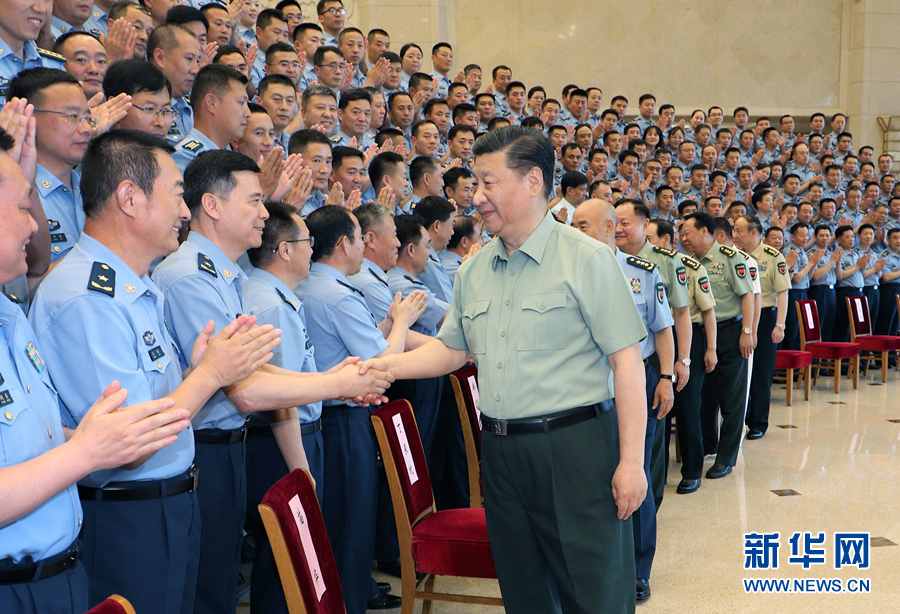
(115, 604)
(465, 387)
(791, 360)
(861, 333)
(296, 530)
(445, 543)
(825, 351)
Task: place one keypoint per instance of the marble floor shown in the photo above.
(834, 464)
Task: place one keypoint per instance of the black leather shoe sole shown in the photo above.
(642, 593)
(383, 587)
(718, 471)
(753, 434)
(686, 487)
(384, 601)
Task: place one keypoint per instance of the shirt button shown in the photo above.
(502, 333)
(499, 365)
(512, 273)
(9, 413)
(28, 388)
(543, 306)
(497, 397)
(50, 433)
(507, 301)
(79, 522)
(159, 365)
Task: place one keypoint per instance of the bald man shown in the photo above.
(597, 219)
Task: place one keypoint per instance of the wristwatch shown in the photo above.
(668, 377)
(747, 331)
(685, 361)
(781, 326)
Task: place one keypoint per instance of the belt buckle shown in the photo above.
(498, 427)
(194, 475)
(244, 432)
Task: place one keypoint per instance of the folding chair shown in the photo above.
(303, 555)
(825, 351)
(114, 604)
(789, 360)
(465, 387)
(861, 333)
(446, 543)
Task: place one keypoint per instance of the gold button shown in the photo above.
(56, 248)
(159, 365)
(9, 415)
(50, 433)
(79, 522)
(28, 388)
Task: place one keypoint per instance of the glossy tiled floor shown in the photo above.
(841, 459)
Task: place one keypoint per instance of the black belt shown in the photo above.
(218, 436)
(829, 286)
(46, 568)
(142, 491)
(766, 309)
(307, 428)
(544, 424)
(859, 290)
(729, 321)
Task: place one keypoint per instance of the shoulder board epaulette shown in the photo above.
(886, 252)
(102, 280)
(206, 265)
(771, 251)
(191, 145)
(671, 253)
(286, 300)
(336, 139)
(50, 54)
(743, 253)
(685, 191)
(640, 263)
(187, 98)
(727, 251)
(690, 262)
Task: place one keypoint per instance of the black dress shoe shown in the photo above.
(643, 590)
(383, 587)
(718, 471)
(384, 601)
(686, 487)
(753, 434)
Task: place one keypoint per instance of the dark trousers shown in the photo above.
(825, 305)
(557, 542)
(725, 391)
(447, 463)
(265, 466)
(223, 504)
(887, 321)
(873, 296)
(687, 410)
(763, 371)
(64, 593)
(644, 523)
(145, 551)
(840, 330)
(791, 323)
(350, 498)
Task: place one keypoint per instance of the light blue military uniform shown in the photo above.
(64, 211)
(649, 297)
(190, 147)
(404, 282)
(848, 261)
(248, 35)
(829, 192)
(856, 216)
(436, 278)
(500, 103)
(258, 70)
(451, 262)
(184, 120)
(373, 283)
(101, 322)
(98, 22)
(802, 261)
(643, 123)
(330, 41)
(309, 75)
(315, 201)
(58, 27)
(34, 57)
(341, 138)
(443, 85)
(874, 279)
(803, 172)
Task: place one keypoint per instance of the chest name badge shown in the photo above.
(34, 357)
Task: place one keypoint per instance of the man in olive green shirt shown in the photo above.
(547, 315)
(725, 389)
(774, 284)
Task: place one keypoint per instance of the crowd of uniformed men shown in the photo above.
(210, 212)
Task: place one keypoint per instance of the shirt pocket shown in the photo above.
(155, 359)
(21, 437)
(543, 322)
(474, 323)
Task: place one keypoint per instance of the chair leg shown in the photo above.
(884, 367)
(807, 375)
(408, 592)
(837, 376)
(790, 385)
(429, 587)
(855, 366)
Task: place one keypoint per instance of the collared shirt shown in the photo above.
(856, 216)
(58, 27)
(729, 277)
(404, 282)
(98, 322)
(802, 261)
(30, 426)
(183, 122)
(874, 279)
(501, 104)
(436, 278)
(201, 283)
(316, 200)
(649, 296)
(570, 210)
(773, 275)
(643, 123)
(98, 22)
(451, 262)
(190, 147)
(373, 283)
(848, 261)
(248, 35)
(338, 320)
(698, 288)
(544, 309)
(330, 40)
(258, 70)
(829, 278)
(671, 270)
(443, 86)
(891, 264)
(273, 302)
(309, 75)
(34, 57)
(63, 208)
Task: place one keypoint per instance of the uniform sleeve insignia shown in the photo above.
(103, 279)
(660, 293)
(752, 273)
(640, 263)
(682, 275)
(741, 270)
(206, 265)
(193, 146)
(662, 250)
(771, 251)
(285, 299)
(690, 262)
(886, 253)
(51, 55)
(782, 267)
(728, 252)
(704, 283)
(149, 338)
(53, 224)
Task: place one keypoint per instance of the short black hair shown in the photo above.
(7, 142)
(61, 41)
(29, 84)
(420, 166)
(453, 175)
(525, 149)
(279, 47)
(270, 80)
(303, 28)
(212, 172)
(463, 108)
(463, 227)
(328, 225)
(410, 229)
(302, 138)
(418, 78)
(181, 14)
(319, 55)
(664, 228)
(214, 79)
(461, 128)
(114, 157)
(267, 16)
(134, 76)
(352, 96)
(280, 226)
(702, 220)
(433, 209)
(382, 165)
(572, 180)
(340, 153)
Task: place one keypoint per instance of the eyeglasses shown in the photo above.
(287, 64)
(73, 118)
(334, 12)
(333, 66)
(165, 112)
(312, 242)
